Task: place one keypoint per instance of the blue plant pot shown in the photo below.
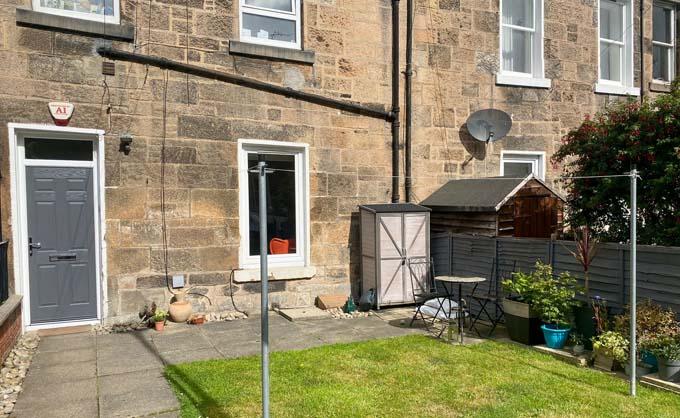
(555, 337)
(650, 359)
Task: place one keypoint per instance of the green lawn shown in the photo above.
(412, 376)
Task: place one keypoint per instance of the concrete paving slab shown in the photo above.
(135, 394)
(185, 356)
(119, 339)
(37, 396)
(62, 373)
(123, 362)
(80, 409)
(53, 358)
(299, 314)
(185, 340)
(295, 343)
(67, 342)
(247, 348)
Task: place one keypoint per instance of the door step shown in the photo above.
(64, 330)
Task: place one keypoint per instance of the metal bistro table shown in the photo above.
(451, 280)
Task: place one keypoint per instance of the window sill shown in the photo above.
(511, 80)
(275, 273)
(40, 20)
(271, 52)
(659, 87)
(617, 90)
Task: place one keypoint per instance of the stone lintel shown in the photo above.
(270, 52)
(275, 273)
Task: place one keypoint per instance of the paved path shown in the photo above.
(121, 375)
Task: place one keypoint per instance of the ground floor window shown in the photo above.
(287, 197)
(523, 163)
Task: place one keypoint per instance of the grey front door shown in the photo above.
(61, 235)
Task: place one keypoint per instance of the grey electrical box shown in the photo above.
(177, 281)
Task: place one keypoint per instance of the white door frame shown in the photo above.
(18, 216)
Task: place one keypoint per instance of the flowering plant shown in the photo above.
(612, 344)
(626, 135)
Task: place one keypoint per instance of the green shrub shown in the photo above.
(612, 344)
(553, 298)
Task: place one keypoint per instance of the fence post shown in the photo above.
(622, 270)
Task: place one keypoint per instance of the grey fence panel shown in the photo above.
(658, 267)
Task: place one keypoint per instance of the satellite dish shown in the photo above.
(489, 125)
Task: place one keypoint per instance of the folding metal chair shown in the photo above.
(431, 304)
(492, 297)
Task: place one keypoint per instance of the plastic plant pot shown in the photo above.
(555, 337)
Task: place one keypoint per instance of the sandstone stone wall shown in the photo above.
(456, 56)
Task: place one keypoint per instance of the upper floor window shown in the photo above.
(616, 48)
(98, 10)
(519, 164)
(663, 42)
(521, 43)
(271, 22)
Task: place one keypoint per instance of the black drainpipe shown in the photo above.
(395, 101)
(642, 50)
(408, 183)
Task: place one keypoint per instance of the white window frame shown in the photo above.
(626, 86)
(294, 15)
(115, 19)
(302, 222)
(535, 158)
(671, 46)
(537, 76)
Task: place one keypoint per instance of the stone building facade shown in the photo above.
(206, 128)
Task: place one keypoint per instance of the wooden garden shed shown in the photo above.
(497, 206)
(392, 234)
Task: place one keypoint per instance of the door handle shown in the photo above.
(33, 245)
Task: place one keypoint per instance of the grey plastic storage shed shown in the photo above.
(390, 235)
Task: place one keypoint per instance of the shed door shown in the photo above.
(392, 259)
(415, 243)
(535, 216)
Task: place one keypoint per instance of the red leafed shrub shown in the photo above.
(627, 134)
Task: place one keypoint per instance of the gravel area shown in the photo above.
(14, 371)
(338, 313)
(100, 329)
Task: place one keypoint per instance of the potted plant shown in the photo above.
(180, 308)
(610, 349)
(667, 351)
(159, 318)
(555, 300)
(653, 323)
(586, 246)
(577, 346)
(521, 319)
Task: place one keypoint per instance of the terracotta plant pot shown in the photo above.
(197, 319)
(180, 311)
(160, 326)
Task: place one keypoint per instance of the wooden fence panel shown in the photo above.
(658, 275)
